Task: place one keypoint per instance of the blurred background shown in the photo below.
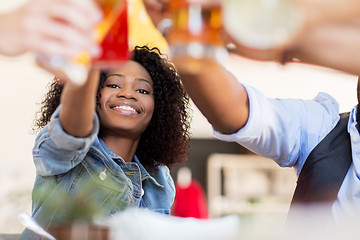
(233, 180)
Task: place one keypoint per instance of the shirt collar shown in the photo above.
(353, 121)
(145, 174)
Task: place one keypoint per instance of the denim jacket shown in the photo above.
(65, 164)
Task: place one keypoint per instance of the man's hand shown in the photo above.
(51, 27)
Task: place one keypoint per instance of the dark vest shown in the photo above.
(325, 168)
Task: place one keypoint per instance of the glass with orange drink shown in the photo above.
(194, 35)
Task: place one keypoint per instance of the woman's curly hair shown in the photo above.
(166, 139)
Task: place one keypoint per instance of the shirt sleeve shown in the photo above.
(285, 130)
(57, 152)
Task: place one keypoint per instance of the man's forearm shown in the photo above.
(219, 96)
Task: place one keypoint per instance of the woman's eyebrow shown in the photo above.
(115, 74)
(122, 76)
(144, 80)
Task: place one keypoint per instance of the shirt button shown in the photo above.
(102, 175)
(142, 192)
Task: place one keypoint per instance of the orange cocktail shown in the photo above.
(194, 35)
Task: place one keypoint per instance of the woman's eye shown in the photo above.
(143, 91)
(112, 85)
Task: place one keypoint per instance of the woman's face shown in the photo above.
(127, 101)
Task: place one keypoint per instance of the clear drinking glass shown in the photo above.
(262, 24)
(111, 33)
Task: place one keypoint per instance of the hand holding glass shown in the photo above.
(111, 33)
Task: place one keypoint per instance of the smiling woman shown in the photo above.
(118, 155)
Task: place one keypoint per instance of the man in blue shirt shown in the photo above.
(286, 130)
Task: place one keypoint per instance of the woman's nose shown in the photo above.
(126, 93)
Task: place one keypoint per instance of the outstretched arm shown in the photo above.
(78, 106)
(215, 91)
(224, 101)
(219, 96)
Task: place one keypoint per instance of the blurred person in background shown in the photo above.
(52, 27)
(309, 135)
(190, 199)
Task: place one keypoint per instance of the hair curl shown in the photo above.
(166, 139)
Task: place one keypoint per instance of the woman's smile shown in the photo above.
(126, 108)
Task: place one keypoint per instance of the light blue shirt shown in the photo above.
(287, 130)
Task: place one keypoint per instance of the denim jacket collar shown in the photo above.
(144, 173)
